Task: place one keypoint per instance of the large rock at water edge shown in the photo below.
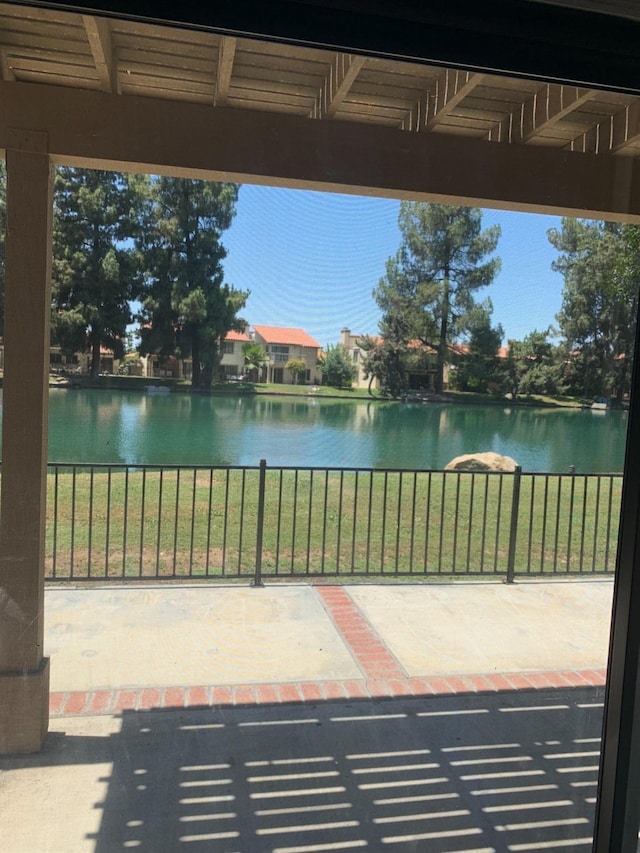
(482, 462)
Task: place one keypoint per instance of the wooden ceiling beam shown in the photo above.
(226, 55)
(98, 32)
(340, 78)
(549, 105)
(448, 91)
(142, 134)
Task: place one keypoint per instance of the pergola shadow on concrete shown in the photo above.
(477, 772)
(208, 101)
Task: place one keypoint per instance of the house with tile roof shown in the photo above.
(231, 360)
(283, 344)
(417, 379)
(232, 356)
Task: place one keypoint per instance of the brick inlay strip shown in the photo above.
(374, 658)
(96, 702)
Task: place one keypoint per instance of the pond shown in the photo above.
(137, 428)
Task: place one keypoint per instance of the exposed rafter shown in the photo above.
(592, 141)
(339, 80)
(84, 52)
(546, 107)
(447, 92)
(226, 55)
(98, 32)
(5, 66)
(625, 128)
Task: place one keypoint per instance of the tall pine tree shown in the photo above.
(95, 270)
(600, 263)
(429, 286)
(187, 308)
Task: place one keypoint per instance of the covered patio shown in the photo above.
(416, 108)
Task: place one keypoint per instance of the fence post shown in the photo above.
(513, 533)
(257, 579)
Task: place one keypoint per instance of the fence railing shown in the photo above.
(117, 522)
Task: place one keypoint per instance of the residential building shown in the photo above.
(79, 362)
(231, 361)
(418, 379)
(283, 344)
(352, 344)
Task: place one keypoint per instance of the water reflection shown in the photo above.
(109, 426)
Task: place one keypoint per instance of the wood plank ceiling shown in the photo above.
(137, 59)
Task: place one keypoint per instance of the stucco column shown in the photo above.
(24, 671)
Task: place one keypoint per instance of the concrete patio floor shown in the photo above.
(291, 719)
(211, 637)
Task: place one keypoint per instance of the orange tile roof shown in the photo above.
(236, 336)
(419, 345)
(375, 338)
(282, 335)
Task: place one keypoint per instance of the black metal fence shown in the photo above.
(117, 522)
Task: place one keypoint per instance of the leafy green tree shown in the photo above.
(534, 365)
(428, 289)
(95, 272)
(336, 367)
(298, 368)
(255, 358)
(385, 357)
(384, 361)
(187, 308)
(478, 367)
(600, 264)
(626, 291)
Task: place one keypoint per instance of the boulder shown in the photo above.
(482, 462)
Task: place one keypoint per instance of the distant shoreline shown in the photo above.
(141, 384)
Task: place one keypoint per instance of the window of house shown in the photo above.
(280, 353)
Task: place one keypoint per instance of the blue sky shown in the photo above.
(312, 259)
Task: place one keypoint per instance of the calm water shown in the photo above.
(104, 426)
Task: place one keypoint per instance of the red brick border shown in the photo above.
(310, 692)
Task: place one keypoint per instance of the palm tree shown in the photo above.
(255, 358)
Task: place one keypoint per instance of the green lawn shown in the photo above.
(202, 523)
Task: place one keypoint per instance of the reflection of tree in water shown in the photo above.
(281, 410)
(85, 426)
(590, 441)
(92, 426)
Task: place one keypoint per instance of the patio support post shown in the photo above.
(24, 671)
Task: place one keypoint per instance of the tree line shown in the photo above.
(121, 240)
(434, 324)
